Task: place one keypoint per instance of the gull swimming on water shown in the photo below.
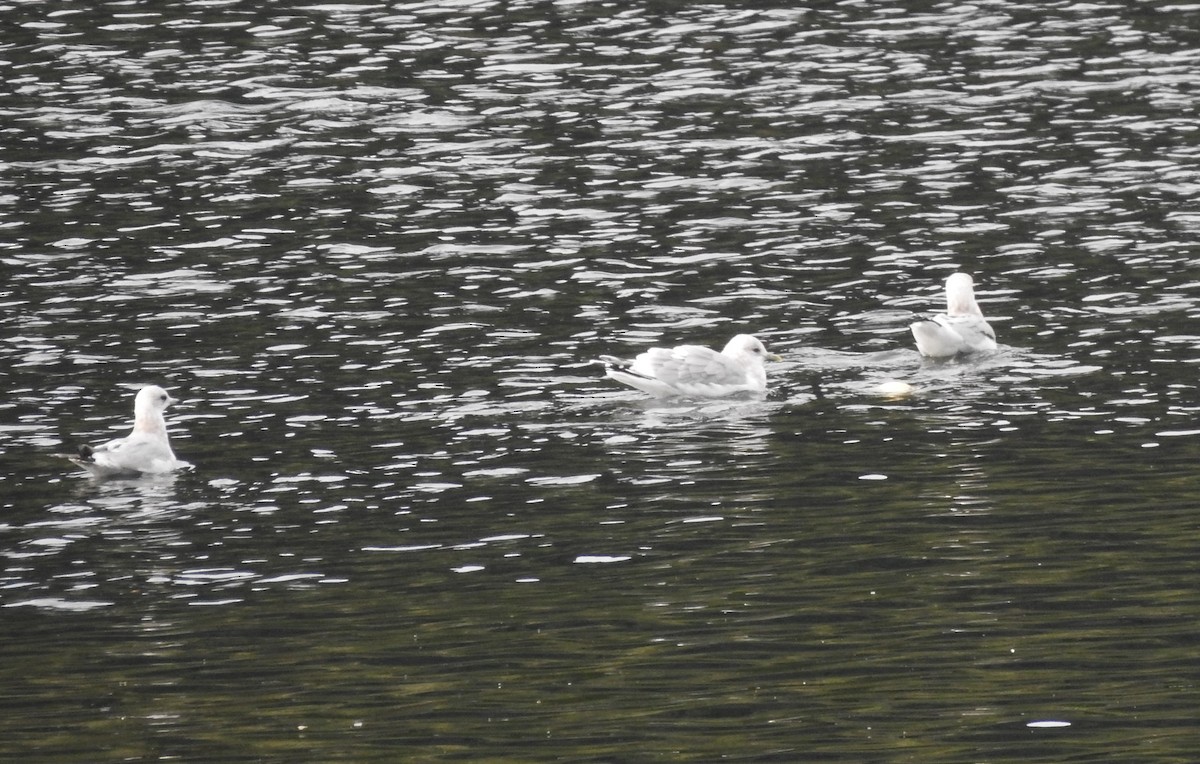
(961, 329)
(145, 451)
(694, 371)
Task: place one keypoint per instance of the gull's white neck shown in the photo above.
(960, 297)
(149, 421)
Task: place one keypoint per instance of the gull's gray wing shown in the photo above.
(977, 333)
(694, 369)
(137, 453)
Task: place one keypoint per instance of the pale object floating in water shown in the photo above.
(145, 451)
(694, 371)
(961, 329)
(895, 388)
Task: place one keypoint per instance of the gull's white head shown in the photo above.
(960, 296)
(148, 408)
(746, 346)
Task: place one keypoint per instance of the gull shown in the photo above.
(961, 329)
(694, 371)
(145, 451)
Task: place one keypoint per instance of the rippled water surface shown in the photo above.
(373, 249)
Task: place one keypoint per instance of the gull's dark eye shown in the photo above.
(163, 397)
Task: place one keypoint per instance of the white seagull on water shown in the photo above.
(694, 371)
(961, 329)
(145, 451)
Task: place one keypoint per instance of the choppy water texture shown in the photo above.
(373, 248)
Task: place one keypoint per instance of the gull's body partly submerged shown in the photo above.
(694, 371)
(961, 329)
(145, 451)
